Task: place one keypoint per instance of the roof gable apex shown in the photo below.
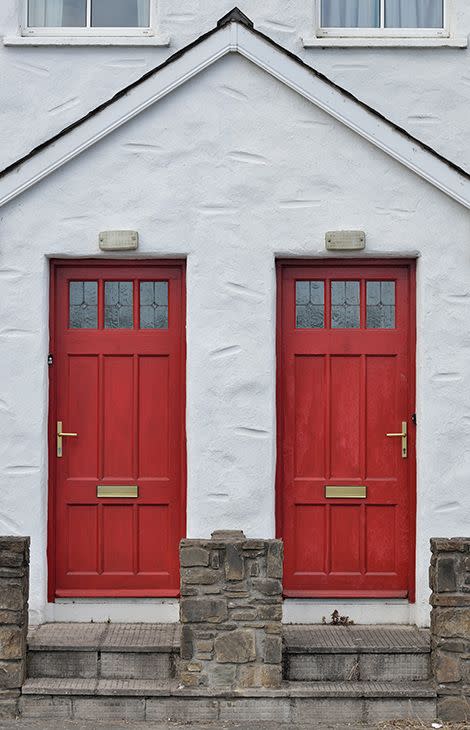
(235, 33)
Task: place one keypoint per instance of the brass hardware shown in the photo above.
(122, 490)
(60, 435)
(351, 492)
(404, 438)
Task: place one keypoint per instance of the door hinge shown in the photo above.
(50, 359)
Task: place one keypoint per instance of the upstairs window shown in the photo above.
(385, 19)
(84, 16)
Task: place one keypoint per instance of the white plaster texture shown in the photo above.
(230, 171)
(427, 91)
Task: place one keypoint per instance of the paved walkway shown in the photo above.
(93, 725)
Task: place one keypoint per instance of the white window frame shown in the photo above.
(382, 36)
(98, 36)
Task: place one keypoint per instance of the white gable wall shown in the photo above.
(427, 91)
(230, 171)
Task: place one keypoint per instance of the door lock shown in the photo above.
(60, 435)
(404, 438)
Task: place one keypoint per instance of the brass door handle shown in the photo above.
(60, 435)
(404, 438)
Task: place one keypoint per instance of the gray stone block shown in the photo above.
(234, 568)
(135, 665)
(62, 664)
(237, 647)
(12, 642)
(380, 710)
(453, 709)
(316, 712)
(326, 667)
(181, 709)
(446, 576)
(59, 708)
(263, 709)
(273, 649)
(193, 555)
(109, 708)
(394, 667)
(210, 610)
(12, 674)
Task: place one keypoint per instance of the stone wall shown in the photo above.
(14, 585)
(450, 626)
(231, 611)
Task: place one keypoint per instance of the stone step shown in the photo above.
(296, 702)
(356, 653)
(111, 651)
(151, 651)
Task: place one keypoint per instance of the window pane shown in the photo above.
(153, 305)
(120, 13)
(83, 304)
(381, 304)
(414, 13)
(350, 13)
(57, 13)
(345, 312)
(309, 304)
(118, 305)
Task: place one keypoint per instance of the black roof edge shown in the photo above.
(234, 16)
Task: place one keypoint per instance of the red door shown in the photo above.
(346, 380)
(117, 386)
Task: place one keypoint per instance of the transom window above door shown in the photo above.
(345, 304)
(116, 305)
(385, 22)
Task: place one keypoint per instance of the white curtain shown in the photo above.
(414, 14)
(350, 13)
(143, 13)
(45, 13)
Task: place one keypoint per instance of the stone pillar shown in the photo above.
(231, 612)
(450, 626)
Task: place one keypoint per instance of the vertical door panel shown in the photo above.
(117, 441)
(154, 396)
(345, 406)
(82, 411)
(310, 397)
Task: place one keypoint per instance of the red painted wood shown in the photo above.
(339, 392)
(122, 391)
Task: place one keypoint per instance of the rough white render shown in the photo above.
(427, 91)
(230, 171)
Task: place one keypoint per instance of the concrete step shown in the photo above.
(356, 653)
(296, 702)
(112, 651)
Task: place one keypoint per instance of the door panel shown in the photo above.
(117, 382)
(346, 379)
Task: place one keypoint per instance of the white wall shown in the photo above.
(427, 91)
(232, 170)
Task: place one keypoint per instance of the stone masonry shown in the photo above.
(231, 612)
(14, 580)
(450, 626)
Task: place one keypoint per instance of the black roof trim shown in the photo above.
(236, 16)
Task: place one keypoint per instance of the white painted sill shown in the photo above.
(377, 42)
(84, 40)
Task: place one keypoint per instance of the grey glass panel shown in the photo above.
(310, 304)
(83, 304)
(414, 13)
(118, 305)
(153, 305)
(120, 13)
(380, 304)
(57, 13)
(345, 310)
(350, 13)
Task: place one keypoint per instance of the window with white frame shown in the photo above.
(77, 17)
(356, 18)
